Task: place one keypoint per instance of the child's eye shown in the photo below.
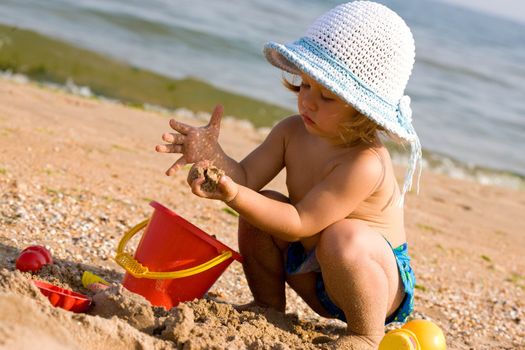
(327, 98)
(305, 85)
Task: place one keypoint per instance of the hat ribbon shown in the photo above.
(405, 116)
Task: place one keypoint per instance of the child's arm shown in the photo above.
(198, 144)
(267, 160)
(328, 202)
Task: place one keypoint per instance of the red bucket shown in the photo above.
(175, 261)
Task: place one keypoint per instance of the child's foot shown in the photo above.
(251, 306)
(354, 342)
(268, 311)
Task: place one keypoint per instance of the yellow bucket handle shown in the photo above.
(136, 269)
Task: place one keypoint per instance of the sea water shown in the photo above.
(467, 87)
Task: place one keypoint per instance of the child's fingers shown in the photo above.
(180, 127)
(171, 148)
(196, 187)
(176, 166)
(173, 138)
(216, 117)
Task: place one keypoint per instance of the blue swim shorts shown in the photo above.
(299, 261)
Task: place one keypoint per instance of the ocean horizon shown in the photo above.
(466, 87)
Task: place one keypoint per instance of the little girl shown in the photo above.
(338, 237)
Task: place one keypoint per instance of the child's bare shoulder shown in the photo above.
(287, 127)
(290, 123)
(363, 164)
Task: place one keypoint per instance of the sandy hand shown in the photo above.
(194, 143)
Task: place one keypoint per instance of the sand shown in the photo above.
(211, 175)
(77, 173)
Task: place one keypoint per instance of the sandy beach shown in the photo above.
(77, 173)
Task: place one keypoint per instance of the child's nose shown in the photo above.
(309, 102)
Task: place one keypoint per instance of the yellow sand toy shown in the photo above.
(89, 278)
(415, 335)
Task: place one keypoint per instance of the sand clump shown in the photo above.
(211, 175)
(63, 274)
(15, 282)
(130, 307)
(199, 323)
(202, 322)
(117, 313)
(178, 325)
(28, 319)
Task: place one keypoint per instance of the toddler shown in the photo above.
(337, 238)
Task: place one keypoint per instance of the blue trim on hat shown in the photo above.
(334, 62)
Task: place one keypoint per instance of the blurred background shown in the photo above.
(467, 87)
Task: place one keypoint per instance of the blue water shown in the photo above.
(467, 87)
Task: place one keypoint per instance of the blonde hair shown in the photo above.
(360, 129)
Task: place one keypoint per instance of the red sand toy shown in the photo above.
(64, 298)
(175, 261)
(33, 258)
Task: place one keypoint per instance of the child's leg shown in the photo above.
(263, 262)
(361, 277)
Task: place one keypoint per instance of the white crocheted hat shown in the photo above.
(363, 52)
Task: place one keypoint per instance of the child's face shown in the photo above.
(322, 111)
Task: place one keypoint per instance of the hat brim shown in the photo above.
(305, 56)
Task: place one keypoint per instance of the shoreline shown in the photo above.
(241, 107)
(432, 161)
(45, 59)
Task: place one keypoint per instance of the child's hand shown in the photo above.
(195, 143)
(207, 181)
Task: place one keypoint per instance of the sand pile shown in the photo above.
(130, 307)
(123, 319)
(28, 320)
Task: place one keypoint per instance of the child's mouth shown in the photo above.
(307, 120)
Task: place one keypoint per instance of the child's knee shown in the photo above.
(342, 241)
(244, 226)
(251, 238)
